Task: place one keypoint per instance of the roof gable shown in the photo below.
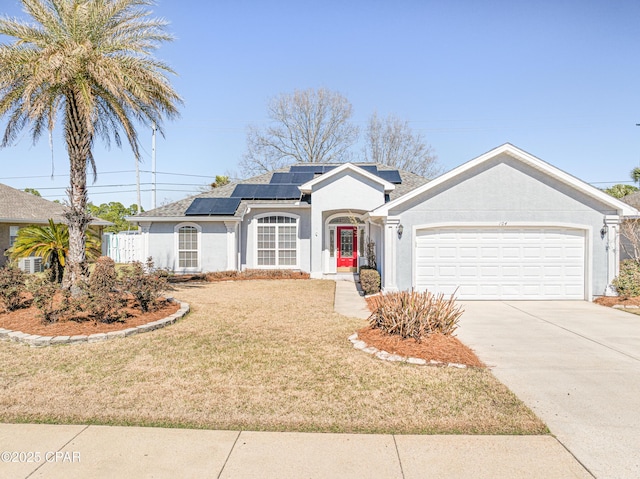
(308, 186)
(524, 157)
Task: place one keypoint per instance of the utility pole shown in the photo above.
(153, 166)
(138, 183)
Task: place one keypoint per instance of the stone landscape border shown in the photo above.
(36, 341)
(385, 356)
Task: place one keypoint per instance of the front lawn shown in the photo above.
(253, 355)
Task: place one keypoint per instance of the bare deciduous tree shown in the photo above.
(308, 126)
(391, 141)
(630, 238)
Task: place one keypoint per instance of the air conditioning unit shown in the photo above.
(32, 264)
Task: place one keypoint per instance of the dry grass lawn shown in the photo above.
(253, 355)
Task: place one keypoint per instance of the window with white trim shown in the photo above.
(187, 247)
(13, 234)
(277, 240)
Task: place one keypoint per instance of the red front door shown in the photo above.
(347, 248)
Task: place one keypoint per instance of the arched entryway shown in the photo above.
(345, 234)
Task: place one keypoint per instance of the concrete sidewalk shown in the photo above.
(102, 452)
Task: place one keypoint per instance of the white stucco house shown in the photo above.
(505, 225)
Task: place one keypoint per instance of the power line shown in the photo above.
(106, 173)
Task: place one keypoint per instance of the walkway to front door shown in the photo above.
(347, 258)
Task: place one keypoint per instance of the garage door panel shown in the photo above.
(447, 271)
(468, 271)
(468, 251)
(574, 252)
(447, 252)
(511, 272)
(502, 263)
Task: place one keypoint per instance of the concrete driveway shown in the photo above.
(574, 363)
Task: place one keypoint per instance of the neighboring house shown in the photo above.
(18, 209)
(505, 225)
(632, 199)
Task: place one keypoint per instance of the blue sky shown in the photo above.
(558, 79)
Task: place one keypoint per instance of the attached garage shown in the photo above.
(524, 262)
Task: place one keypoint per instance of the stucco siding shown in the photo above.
(248, 248)
(162, 245)
(504, 192)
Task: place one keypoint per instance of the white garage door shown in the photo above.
(502, 263)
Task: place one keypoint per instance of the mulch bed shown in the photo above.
(27, 320)
(437, 347)
(617, 300)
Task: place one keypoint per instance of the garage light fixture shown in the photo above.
(603, 232)
(400, 230)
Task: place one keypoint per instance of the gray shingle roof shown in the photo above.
(22, 207)
(16, 205)
(410, 181)
(633, 199)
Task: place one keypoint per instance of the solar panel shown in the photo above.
(392, 176)
(312, 168)
(291, 178)
(213, 206)
(370, 168)
(266, 192)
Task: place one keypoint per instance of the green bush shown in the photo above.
(369, 280)
(12, 287)
(410, 314)
(145, 283)
(627, 284)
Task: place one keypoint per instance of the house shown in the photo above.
(505, 225)
(19, 209)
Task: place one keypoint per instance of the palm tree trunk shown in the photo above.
(78, 140)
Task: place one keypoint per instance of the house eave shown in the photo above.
(180, 219)
(45, 221)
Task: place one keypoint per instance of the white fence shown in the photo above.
(124, 247)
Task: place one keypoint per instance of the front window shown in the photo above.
(277, 241)
(13, 234)
(187, 247)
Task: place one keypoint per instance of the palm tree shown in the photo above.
(52, 244)
(89, 63)
(635, 175)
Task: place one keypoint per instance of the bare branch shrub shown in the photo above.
(630, 238)
(12, 286)
(411, 314)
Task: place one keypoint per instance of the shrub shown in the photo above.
(44, 293)
(627, 284)
(145, 284)
(415, 315)
(256, 274)
(103, 301)
(370, 281)
(12, 287)
(370, 253)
